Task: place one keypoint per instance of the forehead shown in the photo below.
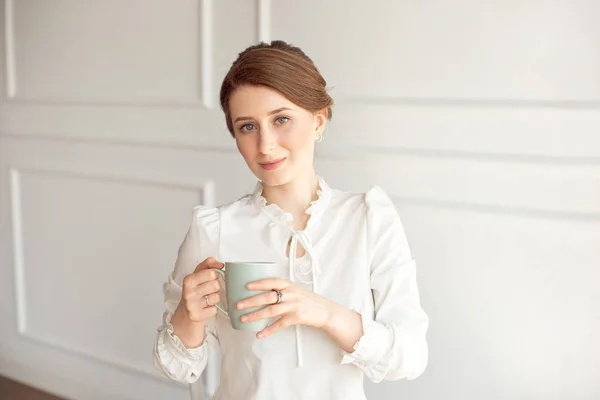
(256, 101)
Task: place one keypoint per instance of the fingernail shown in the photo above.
(244, 318)
(240, 305)
(260, 334)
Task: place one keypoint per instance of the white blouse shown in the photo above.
(357, 255)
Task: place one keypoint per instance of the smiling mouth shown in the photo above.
(273, 165)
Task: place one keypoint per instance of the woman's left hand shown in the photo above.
(297, 307)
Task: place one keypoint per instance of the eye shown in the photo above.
(247, 127)
(281, 120)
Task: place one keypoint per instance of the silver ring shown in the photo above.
(279, 296)
(207, 302)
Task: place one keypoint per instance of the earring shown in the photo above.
(319, 137)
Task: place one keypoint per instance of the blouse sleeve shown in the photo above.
(171, 357)
(393, 345)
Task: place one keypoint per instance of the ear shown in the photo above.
(320, 121)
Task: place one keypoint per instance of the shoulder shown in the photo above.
(206, 215)
(375, 199)
(211, 217)
(206, 221)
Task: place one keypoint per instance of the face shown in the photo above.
(275, 136)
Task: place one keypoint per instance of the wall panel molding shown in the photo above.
(205, 95)
(539, 133)
(51, 381)
(207, 191)
(9, 49)
(575, 216)
(542, 186)
(263, 23)
(498, 102)
(206, 53)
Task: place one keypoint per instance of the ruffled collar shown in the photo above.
(277, 214)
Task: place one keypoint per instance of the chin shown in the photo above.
(273, 178)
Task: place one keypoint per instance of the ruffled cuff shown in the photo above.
(177, 348)
(177, 361)
(372, 345)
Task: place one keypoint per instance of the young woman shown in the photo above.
(350, 306)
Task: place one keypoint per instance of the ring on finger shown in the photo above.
(279, 296)
(207, 302)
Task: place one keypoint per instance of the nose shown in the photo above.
(267, 140)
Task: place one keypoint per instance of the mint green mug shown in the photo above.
(237, 275)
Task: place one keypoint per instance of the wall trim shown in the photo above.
(263, 20)
(205, 73)
(207, 191)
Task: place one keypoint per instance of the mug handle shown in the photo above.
(222, 273)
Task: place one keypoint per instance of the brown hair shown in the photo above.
(282, 67)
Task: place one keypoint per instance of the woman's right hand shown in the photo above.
(193, 310)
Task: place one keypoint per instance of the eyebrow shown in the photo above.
(269, 113)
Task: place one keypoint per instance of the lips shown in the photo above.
(273, 165)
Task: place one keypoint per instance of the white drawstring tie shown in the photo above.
(313, 270)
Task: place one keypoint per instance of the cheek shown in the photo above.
(245, 146)
(297, 138)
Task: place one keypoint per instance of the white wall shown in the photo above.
(480, 118)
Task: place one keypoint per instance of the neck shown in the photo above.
(294, 197)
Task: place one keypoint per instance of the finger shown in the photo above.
(216, 265)
(258, 300)
(201, 290)
(207, 263)
(198, 313)
(276, 326)
(269, 283)
(208, 287)
(199, 277)
(213, 298)
(203, 264)
(205, 275)
(274, 310)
